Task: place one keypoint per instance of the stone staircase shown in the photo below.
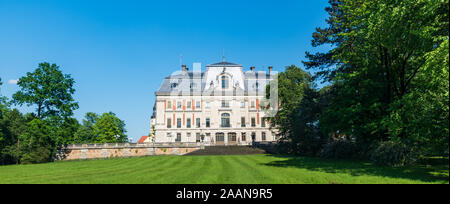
(227, 150)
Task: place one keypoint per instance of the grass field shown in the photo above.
(245, 169)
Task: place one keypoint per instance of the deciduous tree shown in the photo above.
(110, 129)
(49, 90)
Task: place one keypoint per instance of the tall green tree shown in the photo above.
(49, 90)
(110, 129)
(324, 63)
(64, 132)
(3, 136)
(105, 128)
(389, 65)
(3, 101)
(36, 142)
(291, 121)
(85, 133)
(12, 124)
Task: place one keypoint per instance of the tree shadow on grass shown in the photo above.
(438, 172)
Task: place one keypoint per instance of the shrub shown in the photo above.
(36, 155)
(283, 147)
(340, 149)
(394, 154)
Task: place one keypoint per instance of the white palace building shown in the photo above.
(221, 106)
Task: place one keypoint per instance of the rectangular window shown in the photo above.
(244, 137)
(169, 134)
(179, 123)
(225, 104)
(242, 104)
(253, 136)
(208, 105)
(197, 122)
(243, 122)
(253, 122)
(263, 136)
(197, 104)
(188, 123)
(220, 138)
(178, 139)
(263, 122)
(169, 104)
(232, 138)
(169, 123)
(197, 137)
(189, 105)
(253, 104)
(188, 134)
(208, 122)
(179, 105)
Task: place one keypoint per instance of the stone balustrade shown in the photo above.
(114, 150)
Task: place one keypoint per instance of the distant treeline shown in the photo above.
(387, 77)
(37, 137)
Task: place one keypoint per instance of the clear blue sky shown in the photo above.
(118, 52)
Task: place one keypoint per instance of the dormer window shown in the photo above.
(225, 82)
(174, 85)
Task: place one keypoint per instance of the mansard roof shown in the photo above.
(183, 82)
(195, 83)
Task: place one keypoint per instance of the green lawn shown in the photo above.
(245, 169)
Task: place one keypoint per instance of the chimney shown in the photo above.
(252, 69)
(270, 70)
(184, 68)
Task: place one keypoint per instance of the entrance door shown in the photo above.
(220, 138)
(231, 138)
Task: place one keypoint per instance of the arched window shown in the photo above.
(225, 120)
(225, 82)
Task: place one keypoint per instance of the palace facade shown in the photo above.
(220, 106)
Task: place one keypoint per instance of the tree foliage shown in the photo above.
(110, 129)
(3, 101)
(39, 137)
(49, 90)
(36, 143)
(107, 128)
(299, 107)
(12, 125)
(389, 70)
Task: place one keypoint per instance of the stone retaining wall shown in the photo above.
(97, 151)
